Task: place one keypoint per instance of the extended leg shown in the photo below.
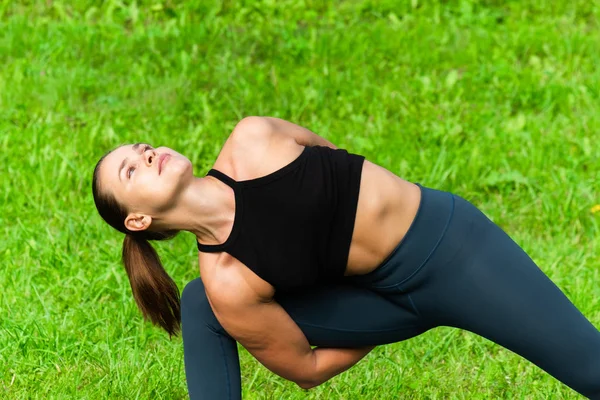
(482, 281)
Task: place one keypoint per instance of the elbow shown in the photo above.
(308, 381)
(309, 378)
(308, 384)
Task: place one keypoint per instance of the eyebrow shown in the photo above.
(134, 147)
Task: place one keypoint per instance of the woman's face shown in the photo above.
(143, 179)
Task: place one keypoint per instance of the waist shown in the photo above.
(385, 213)
(426, 230)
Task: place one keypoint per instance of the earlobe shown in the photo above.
(137, 222)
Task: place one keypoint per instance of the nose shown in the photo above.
(149, 157)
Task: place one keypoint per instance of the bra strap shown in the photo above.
(223, 178)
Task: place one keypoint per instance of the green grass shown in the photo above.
(497, 101)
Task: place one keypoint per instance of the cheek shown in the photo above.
(157, 193)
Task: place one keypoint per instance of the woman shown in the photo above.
(301, 244)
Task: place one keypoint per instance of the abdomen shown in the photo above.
(387, 205)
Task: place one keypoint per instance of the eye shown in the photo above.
(147, 147)
(129, 172)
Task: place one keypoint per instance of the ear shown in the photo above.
(138, 222)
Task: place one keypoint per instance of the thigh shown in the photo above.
(345, 315)
(337, 315)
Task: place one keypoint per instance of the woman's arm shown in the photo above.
(333, 361)
(261, 326)
(279, 127)
(267, 331)
(302, 135)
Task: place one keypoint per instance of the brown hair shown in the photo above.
(155, 293)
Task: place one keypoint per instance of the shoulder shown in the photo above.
(229, 283)
(263, 132)
(254, 149)
(253, 124)
(252, 129)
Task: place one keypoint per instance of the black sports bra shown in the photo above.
(294, 227)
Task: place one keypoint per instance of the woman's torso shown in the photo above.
(386, 206)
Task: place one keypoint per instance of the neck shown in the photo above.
(206, 208)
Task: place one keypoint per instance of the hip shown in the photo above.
(446, 228)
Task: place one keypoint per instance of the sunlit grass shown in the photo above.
(496, 101)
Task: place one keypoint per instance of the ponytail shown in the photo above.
(155, 293)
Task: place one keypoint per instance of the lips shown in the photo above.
(162, 159)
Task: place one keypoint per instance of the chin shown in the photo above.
(177, 167)
(179, 173)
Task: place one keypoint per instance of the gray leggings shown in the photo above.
(454, 268)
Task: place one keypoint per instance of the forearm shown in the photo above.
(320, 141)
(303, 136)
(330, 362)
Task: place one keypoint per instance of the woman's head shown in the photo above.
(134, 187)
(143, 181)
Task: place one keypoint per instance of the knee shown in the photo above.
(193, 296)
(195, 308)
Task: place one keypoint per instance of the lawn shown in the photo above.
(498, 101)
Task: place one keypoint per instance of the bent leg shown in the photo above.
(212, 366)
(337, 315)
(491, 287)
(344, 315)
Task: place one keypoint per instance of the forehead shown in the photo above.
(117, 156)
(122, 152)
